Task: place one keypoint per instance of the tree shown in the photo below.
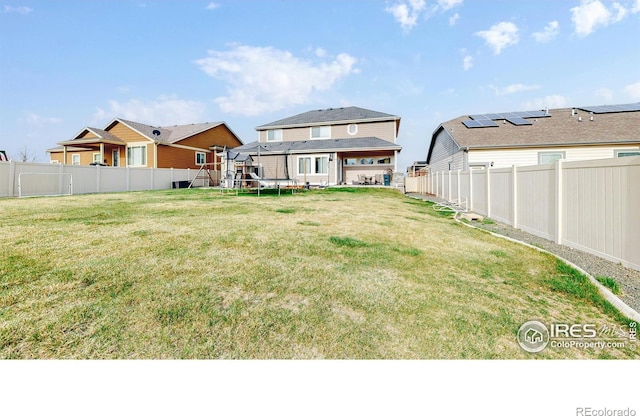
(26, 155)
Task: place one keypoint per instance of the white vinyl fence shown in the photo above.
(18, 178)
(593, 206)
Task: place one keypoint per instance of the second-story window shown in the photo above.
(321, 132)
(274, 135)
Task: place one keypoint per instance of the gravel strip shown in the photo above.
(628, 279)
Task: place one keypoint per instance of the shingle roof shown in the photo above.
(330, 115)
(328, 145)
(561, 128)
(170, 134)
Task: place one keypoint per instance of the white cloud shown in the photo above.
(212, 6)
(550, 101)
(591, 14)
(166, 110)
(38, 120)
(265, 79)
(633, 90)
(500, 36)
(454, 19)
(636, 7)
(407, 12)
(448, 4)
(605, 94)
(467, 62)
(513, 88)
(19, 10)
(549, 32)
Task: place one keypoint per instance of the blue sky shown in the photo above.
(65, 65)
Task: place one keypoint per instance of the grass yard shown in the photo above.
(325, 274)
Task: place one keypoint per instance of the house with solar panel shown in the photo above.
(125, 143)
(535, 137)
(346, 145)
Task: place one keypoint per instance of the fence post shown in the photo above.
(153, 176)
(488, 192)
(449, 186)
(128, 178)
(559, 194)
(12, 178)
(459, 196)
(470, 189)
(97, 178)
(514, 196)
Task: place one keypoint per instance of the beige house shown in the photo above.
(344, 145)
(535, 137)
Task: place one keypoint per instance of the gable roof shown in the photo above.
(101, 136)
(561, 127)
(169, 134)
(330, 116)
(327, 145)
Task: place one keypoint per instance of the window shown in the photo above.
(75, 159)
(545, 158)
(352, 129)
(201, 158)
(116, 158)
(366, 161)
(350, 162)
(137, 156)
(96, 158)
(321, 132)
(316, 165)
(627, 153)
(274, 135)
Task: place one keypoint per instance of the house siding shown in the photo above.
(525, 157)
(385, 130)
(219, 136)
(445, 151)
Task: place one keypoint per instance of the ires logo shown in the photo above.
(535, 336)
(572, 331)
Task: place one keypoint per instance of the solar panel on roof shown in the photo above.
(518, 121)
(472, 124)
(604, 109)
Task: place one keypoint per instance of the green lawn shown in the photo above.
(322, 274)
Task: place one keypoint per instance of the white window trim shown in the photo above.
(73, 159)
(618, 151)
(274, 130)
(98, 160)
(204, 154)
(355, 127)
(319, 137)
(547, 153)
(137, 145)
(312, 165)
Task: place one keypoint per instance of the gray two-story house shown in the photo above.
(344, 145)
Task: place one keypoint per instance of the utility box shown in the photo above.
(387, 179)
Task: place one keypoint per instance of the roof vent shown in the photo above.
(156, 133)
(591, 118)
(580, 119)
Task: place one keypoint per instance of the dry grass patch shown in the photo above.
(326, 274)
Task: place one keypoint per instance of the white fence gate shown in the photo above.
(593, 205)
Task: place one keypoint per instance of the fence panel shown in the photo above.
(600, 207)
(536, 200)
(86, 179)
(501, 195)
